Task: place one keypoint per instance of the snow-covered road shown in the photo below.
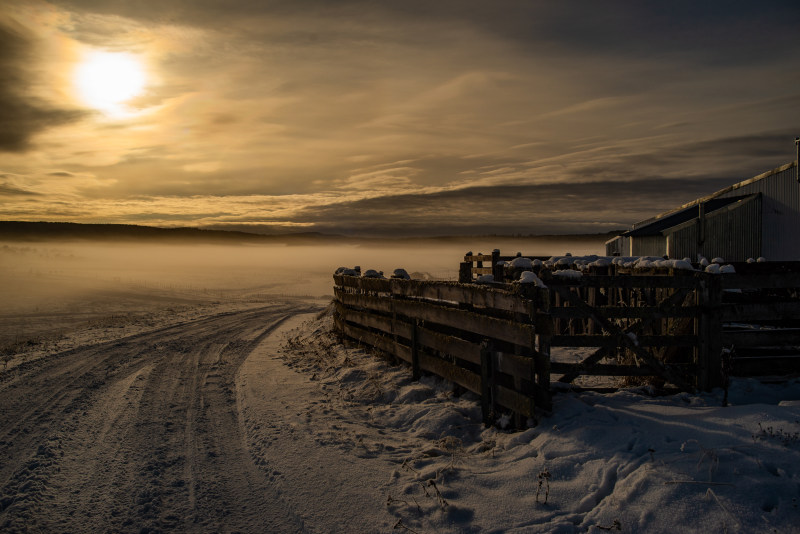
(139, 434)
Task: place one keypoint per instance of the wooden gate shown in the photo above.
(652, 324)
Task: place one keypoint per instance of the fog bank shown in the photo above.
(50, 286)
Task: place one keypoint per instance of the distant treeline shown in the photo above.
(64, 231)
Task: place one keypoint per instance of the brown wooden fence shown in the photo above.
(492, 342)
(676, 327)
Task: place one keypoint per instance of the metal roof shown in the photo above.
(708, 198)
(679, 217)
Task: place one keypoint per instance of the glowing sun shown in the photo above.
(107, 80)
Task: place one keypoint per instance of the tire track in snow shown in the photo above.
(139, 434)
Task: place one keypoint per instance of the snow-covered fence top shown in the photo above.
(672, 324)
(753, 306)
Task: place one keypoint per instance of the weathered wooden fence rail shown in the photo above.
(495, 340)
(492, 342)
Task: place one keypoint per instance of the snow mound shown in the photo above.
(529, 277)
(521, 263)
(401, 274)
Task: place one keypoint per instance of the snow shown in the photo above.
(521, 263)
(318, 437)
(529, 277)
(424, 463)
(401, 274)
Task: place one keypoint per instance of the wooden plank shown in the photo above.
(427, 362)
(769, 311)
(688, 281)
(458, 375)
(382, 343)
(762, 338)
(602, 369)
(459, 348)
(364, 301)
(514, 401)
(501, 329)
(477, 296)
(610, 341)
(627, 312)
(370, 320)
(478, 257)
(760, 281)
(425, 337)
(773, 366)
(471, 294)
(514, 365)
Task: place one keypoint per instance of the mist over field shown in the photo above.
(50, 286)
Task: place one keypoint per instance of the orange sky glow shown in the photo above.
(396, 118)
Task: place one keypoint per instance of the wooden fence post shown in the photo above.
(709, 330)
(714, 325)
(544, 334)
(498, 271)
(487, 383)
(415, 371)
(465, 272)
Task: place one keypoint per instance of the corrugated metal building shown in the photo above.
(757, 217)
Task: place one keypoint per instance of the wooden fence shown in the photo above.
(492, 342)
(683, 329)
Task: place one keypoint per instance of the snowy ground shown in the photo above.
(197, 408)
(625, 461)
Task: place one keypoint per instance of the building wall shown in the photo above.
(648, 245)
(780, 207)
(732, 233)
(619, 246)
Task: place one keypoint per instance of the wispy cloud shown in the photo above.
(391, 115)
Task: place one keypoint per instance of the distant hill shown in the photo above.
(63, 231)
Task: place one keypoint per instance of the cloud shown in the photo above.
(9, 188)
(22, 115)
(409, 116)
(561, 207)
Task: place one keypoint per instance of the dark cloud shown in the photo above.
(10, 190)
(533, 209)
(714, 32)
(22, 116)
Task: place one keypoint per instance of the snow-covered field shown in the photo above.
(625, 461)
(185, 404)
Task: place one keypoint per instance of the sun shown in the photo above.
(107, 80)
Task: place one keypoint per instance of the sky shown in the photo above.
(392, 118)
